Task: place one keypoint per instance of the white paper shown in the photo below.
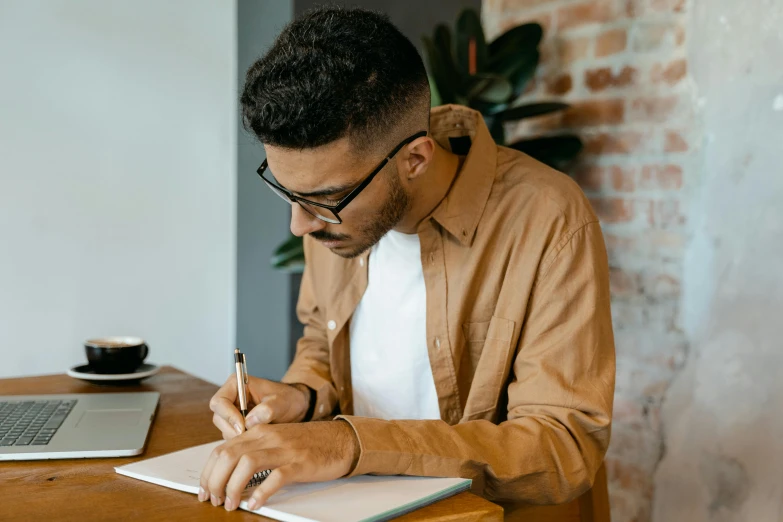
(344, 500)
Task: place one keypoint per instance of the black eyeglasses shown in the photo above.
(330, 213)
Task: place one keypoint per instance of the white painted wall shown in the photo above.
(722, 417)
(117, 181)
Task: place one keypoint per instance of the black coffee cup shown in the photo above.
(115, 354)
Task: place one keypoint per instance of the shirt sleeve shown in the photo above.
(311, 363)
(559, 400)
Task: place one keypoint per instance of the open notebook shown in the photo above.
(366, 498)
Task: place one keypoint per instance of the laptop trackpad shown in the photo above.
(116, 419)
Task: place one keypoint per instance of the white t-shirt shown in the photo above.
(390, 368)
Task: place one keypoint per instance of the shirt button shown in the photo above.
(331, 325)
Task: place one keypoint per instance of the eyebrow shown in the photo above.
(329, 191)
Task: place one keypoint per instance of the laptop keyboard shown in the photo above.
(31, 423)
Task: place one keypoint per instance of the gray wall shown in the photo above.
(723, 416)
(117, 181)
(413, 17)
(262, 217)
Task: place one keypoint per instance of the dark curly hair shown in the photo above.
(337, 72)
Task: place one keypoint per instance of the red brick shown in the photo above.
(595, 112)
(675, 142)
(638, 8)
(671, 6)
(671, 73)
(576, 15)
(661, 213)
(660, 177)
(603, 78)
(621, 142)
(590, 177)
(623, 178)
(679, 35)
(653, 109)
(570, 50)
(618, 243)
(613, 210)
(662, 285)
(611, 42)
(512, 5)
(623, 283)
(560, 85)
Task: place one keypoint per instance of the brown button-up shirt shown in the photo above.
(519, 330)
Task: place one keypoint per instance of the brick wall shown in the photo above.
(622, 65)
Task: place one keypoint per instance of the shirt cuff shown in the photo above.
(384, 448)
(325, 399)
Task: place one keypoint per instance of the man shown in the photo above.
(455, 297)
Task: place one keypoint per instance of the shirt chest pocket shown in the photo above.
(489, 344)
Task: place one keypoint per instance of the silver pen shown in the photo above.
(240, 364)
(241, 368)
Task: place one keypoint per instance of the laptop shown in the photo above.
(84, 425)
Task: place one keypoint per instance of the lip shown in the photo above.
(332, 243)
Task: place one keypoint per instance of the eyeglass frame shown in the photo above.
(335, 209)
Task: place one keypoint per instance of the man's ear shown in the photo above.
(417, 157)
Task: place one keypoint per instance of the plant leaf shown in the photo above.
(489, 88)
(469, 28)
(523, 73)
(555, 151)
(434, 94)
(516, 39)
(487, 108)
(289, 254)
(439, 71)
(531, 110)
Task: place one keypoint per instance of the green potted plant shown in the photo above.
(489, 77)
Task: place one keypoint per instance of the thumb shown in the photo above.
(268, 410)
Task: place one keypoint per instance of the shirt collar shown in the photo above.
(462, 131)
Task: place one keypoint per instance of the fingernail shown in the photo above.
(202, 495)
(228, 504)
(238, 428)
(252, 503)
(214, 500)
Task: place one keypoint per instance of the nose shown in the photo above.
(302, 222)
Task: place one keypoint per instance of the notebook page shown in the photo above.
(365, 498)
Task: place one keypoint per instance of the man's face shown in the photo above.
(326, 175)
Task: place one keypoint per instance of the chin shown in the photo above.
(348, 251)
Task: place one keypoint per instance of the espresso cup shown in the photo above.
(115, 354)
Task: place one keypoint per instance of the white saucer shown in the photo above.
(85, 373)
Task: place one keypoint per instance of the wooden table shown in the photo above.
(90, 489)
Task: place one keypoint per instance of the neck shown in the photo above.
(430, 189)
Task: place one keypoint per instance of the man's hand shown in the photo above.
(307, 452)
(269, 402)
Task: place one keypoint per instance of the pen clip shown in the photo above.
(244, 369)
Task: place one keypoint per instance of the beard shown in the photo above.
(392, 211)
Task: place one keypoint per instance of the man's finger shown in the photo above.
(279, 477)
(269, 410)
(248, 464)
(228, 431)
(203, 489)
(225, 408)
